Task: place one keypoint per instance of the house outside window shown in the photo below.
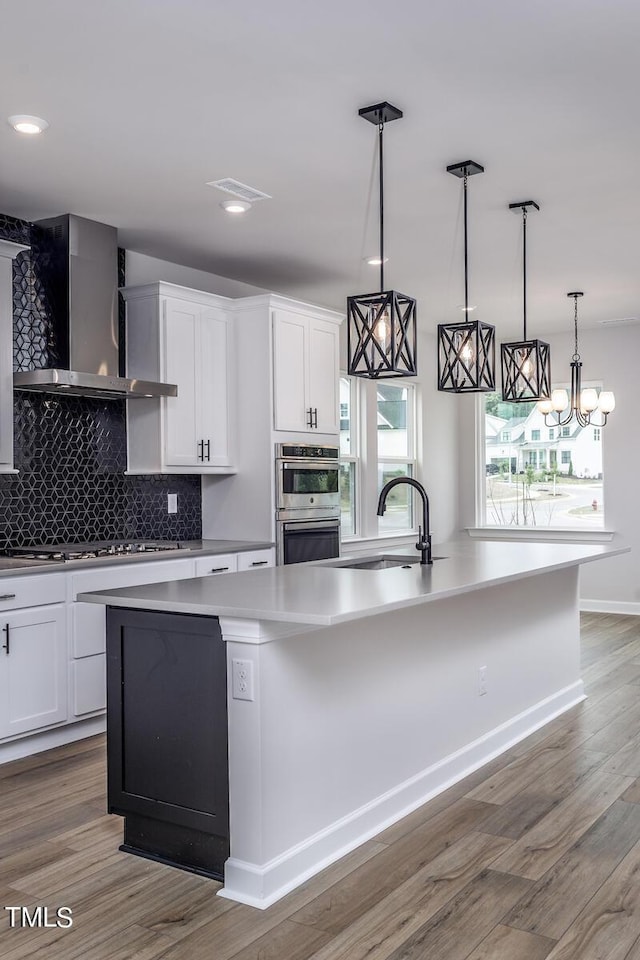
(526, 481)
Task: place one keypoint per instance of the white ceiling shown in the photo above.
(149, 99)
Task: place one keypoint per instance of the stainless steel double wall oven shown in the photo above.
(307, 502)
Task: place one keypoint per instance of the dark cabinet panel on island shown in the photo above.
(167, 737)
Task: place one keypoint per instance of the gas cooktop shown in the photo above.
(87, 551)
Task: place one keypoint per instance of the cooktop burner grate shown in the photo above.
(87, 551)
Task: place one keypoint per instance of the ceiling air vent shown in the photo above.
(619, 321)
(237, 189)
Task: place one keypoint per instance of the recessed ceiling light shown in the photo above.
(235, 206)
(24, 123)
(376, 261)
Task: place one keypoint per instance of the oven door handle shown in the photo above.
(316, 465)
(311, 524)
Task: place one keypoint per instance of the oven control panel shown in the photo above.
(290, 451)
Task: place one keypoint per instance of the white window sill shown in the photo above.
(541, 534)
(360, 544)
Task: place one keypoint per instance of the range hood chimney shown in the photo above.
(77, 264)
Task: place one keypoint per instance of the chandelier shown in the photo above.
(581, 404)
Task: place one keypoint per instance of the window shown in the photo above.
(395, 453)
(348, 458)
(526, 481)
(377, 439)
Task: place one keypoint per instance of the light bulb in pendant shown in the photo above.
(545, 405)
(466, 354)
(382, 329)
(588, 400)
(526, 365)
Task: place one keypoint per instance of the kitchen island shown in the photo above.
(355, 695)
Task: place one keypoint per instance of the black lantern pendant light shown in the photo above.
(526, 364)
(466, 350)
(582, 404)
(381, 327)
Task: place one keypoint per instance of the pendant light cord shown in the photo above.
(576, 355)
(466, 253)
(380, 169)
(524, 271)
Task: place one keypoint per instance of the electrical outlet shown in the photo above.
(172, 503)
(482, 681)
(242, 680)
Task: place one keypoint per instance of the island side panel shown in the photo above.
(167, 737)
(353, 726)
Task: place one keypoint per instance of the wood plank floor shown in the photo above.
(535, 856)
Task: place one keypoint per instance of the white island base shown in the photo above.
(354, 725)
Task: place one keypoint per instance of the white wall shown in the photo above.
(610, 355)
(143, 269)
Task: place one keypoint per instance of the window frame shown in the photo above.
(364, 454)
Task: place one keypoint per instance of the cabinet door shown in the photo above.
(212, 387)
(290, 332)
(33, 672)
(323, 375)
(181, 433)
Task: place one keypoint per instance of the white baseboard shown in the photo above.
(37, 742)
(260, 885)
(628, 607)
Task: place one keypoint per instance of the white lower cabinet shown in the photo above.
(53, 647)
(33, 655)
(88, 625)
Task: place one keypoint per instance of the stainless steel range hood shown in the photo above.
(76, 265)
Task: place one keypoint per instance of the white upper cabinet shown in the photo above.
(8, 252)
(184, 337)
(306, 373)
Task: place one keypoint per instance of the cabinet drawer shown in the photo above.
(88, 685)
(254, 559)
(16, 592)
(109, 578)
(220, 563)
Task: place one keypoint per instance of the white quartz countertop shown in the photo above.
(324, 593)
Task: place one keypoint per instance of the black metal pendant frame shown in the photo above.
(526, 364)
(526, 370)
(466, 357)
(466, 350)
(372, 354)
(381, 327)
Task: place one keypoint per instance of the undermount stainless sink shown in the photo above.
(379, 562)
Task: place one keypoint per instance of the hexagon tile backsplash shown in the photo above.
(71, 451)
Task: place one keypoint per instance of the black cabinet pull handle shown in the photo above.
(208, 450)
(315, 417)
(7, 596)
(219, 569)
(200, 449)
(5, 646)
(259, 563)
(310, 417)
